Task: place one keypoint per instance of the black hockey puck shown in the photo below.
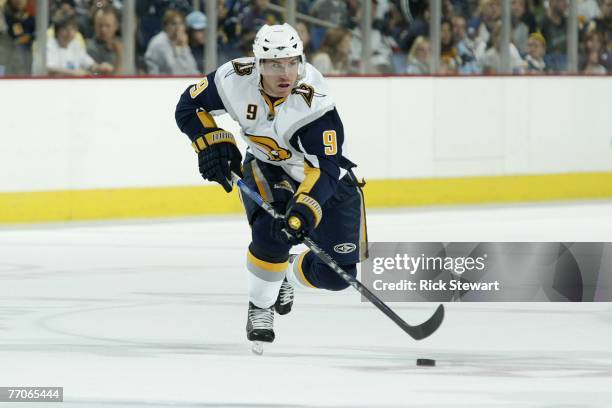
(426, 362)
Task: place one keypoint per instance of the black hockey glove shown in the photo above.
(218, 156)
(301, 218)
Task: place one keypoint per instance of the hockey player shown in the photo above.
(295, 159)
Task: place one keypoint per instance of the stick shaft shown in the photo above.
(416, 332)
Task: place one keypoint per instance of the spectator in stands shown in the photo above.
(491, 61)
(2, 20)
(63, 10)
(458, 24)
(464, 8)
(419, 57)
(196, 26)
(449, 57)
(6, 45)
(489, 13)
(536, 48)
(381, 59)
(593, 66)
(304, 33)
(159, 7)
(258, 14)
(554, 30)
(448, 9)
(520, 30)
(526, 14)
(77, 10)
(21, 28)
(3, 28)
(65, 56)
(333, 11)
(395, 25)
(245, 46)
(168, 52)
(353, 14)
(418, 28)
(236, 7)
(333, 56)
(105, 46)
(470, 48)
(229, 31)
(587, 9)
(150, 15)
(595, 59)
(603, 22)
(86, 12)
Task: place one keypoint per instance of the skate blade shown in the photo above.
(257, 348)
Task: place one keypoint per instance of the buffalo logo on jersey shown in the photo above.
(269, 146)
(242, 68)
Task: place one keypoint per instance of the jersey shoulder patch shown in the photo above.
(305, 91)
(312, 92)
(243, 68)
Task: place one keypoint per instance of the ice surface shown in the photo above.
(152, 314)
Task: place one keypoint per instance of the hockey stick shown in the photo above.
(417, 332)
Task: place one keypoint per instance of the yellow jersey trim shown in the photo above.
(272, 106)
(211, 138)
(206, 119)
(301, 271)
(312, 176)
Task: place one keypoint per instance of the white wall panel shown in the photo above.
(113, 133)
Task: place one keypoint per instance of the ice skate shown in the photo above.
(284, 302)
(260, 327)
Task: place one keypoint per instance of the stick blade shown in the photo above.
(428, 327)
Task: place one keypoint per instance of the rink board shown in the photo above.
(73, 205)
(109, 148)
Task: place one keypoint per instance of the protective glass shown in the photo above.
(280, 66)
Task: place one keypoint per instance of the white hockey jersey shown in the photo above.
(268, 127)
(300, 133)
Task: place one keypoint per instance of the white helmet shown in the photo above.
(278, 41)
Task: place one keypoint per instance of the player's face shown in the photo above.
(278, 76)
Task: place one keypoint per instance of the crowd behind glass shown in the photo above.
(84, 36)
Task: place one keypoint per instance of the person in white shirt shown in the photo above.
(491, 60)
(66, 57)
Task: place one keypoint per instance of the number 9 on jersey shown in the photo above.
(329, 140)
